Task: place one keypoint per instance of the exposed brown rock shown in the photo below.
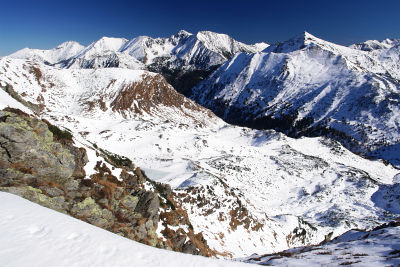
(150, 92)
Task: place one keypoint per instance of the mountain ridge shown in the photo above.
(307, 86)
(122, 45)
(247, 190)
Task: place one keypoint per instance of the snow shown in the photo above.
(206, 48)
(396, 178)
(356, 248)
(375, 44)
(218, 42)
(260, 46)
(352, 91)
(103, 45)
(7, 101)
(285, 184)
(55, 55)
(31, 235)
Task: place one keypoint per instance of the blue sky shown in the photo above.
(45, 24)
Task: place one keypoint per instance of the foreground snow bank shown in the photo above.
(31, 235)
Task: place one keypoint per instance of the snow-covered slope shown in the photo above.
(7, 101)
(307, 86)
(248, 191)
(103, 53)
(103, 45)
(379, 247)
(52, 56)
(145, 48)
(375, 44)
(94, 91)
(31, 235)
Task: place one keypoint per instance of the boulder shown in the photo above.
(27, 150)
(148, 205)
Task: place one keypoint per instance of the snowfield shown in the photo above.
(31, 235)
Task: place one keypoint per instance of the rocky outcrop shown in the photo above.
(28, 151)
(40, 163)
(150, 94)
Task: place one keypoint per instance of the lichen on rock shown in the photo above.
(27, 150)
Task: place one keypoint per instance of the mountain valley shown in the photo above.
(265, 148)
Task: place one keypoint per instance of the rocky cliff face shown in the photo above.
(40, 162)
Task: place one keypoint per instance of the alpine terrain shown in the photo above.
(309, 87)
(201, 144)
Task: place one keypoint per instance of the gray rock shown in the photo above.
(27, 148)
(149, 225)
(190, 248)
(178, 241)
(71, 185)
(148, 205)
(130, 202)
(52, 191)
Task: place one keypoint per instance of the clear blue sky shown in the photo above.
(45, 24)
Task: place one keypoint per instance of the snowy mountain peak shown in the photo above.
(183, 51)
(135, 46)
(103, 45)
(371, 45)
(69, 44)
(210, 34)
(183, 33)
(315, 83)
(215, 41)
(61, 52)
(298, 42)
(112, 42)
(305, 38)
(260, 46)
(225, 45)
(308, 35)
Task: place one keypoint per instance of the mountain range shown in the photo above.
(309, 87)
(180, 58)
(266, 147)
